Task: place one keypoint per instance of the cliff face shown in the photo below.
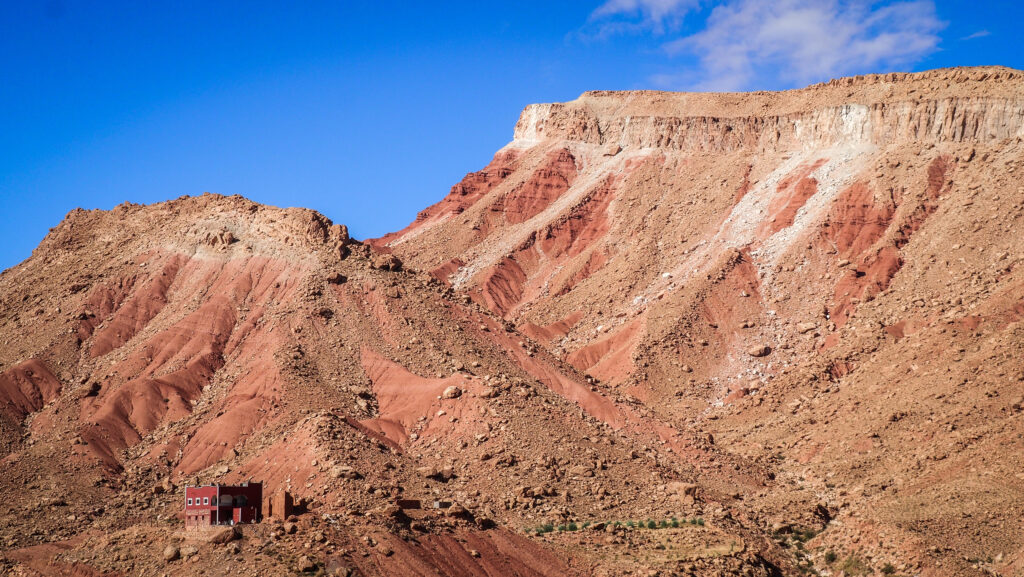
(794, 316)
(958, 105)
(932, 121)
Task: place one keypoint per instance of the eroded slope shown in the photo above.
(785, 271)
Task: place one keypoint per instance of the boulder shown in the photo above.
(803, 328)
(759, 351)
(345, 472)
(388, 262)
(684, 492)
(612, 150)
(581, 471)
(223, 535)
(456, 510)
(305, 565)
(442, 474)
(92, 390)
(188, 551)
(451, 392)
(171, 552)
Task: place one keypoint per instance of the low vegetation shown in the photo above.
(673, 523)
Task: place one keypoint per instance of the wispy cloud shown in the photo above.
(978, 34)
(655, 16)
(808, 40)
(743, 42)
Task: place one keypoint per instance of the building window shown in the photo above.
(206, 500)
(190, 500)
(214, 501)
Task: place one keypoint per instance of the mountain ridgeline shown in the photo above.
(660, 333)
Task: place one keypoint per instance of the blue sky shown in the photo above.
(370, 111)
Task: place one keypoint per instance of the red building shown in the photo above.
(211, 505)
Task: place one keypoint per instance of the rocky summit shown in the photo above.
(770, 333)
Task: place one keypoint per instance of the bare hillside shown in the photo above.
(661, 333)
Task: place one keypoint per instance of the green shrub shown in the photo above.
(830, 557)
(888, 569)
(854, 565)
(545, 528)
(651, 525)
(675, 522)
(663, 524)
(573, 527)
(700, 521)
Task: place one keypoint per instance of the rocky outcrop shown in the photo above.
(932, 121)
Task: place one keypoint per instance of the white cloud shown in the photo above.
(802, 41)
(616, 16)
(978, 34)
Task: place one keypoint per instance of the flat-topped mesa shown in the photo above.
(950, 105)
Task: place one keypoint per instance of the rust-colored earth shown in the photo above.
(660, 334)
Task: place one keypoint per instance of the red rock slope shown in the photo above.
(212, 339)
(733, 261)
(794, 317)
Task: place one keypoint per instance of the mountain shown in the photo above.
(784, 328)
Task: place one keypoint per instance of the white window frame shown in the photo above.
(189, 501)
(206, 500)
